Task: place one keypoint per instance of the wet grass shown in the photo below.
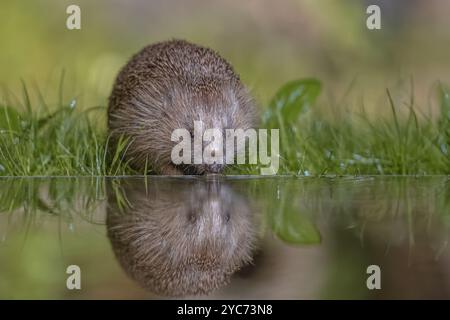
(65, 139)
(405, 142)
(40, 140)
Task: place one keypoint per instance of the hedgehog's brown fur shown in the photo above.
(167, 86)
(181, 237)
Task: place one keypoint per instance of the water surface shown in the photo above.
(225, 237)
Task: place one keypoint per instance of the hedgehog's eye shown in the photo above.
(191, 216)
(227, 216)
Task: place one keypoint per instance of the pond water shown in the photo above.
(225, 237)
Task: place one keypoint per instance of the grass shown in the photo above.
(66, 139)
(37, 140)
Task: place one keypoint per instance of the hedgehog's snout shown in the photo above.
(214, 168)
(214, 158)
(200, 169)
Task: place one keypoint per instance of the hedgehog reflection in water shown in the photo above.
(181, 237)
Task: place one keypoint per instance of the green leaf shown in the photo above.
(292, 99)
(9, 119)
(445, 103)
(294, 228)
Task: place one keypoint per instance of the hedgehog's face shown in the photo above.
(207, 145)
(207, 124)
(207, 214)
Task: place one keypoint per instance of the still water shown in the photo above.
(226, 237)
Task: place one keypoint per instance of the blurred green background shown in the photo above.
(268, 42)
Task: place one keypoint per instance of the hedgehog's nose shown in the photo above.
(214, 168)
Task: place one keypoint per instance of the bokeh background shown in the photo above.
(268, 42)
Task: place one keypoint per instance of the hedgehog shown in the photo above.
(170, 85)
(180, 237)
